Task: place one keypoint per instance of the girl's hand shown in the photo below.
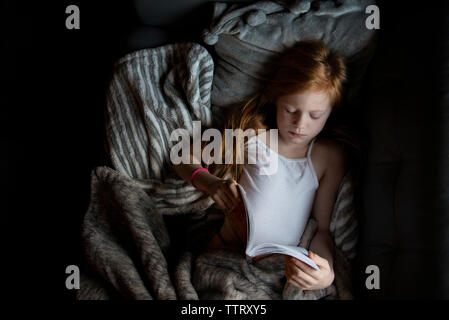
(224, 193)
(305, 277)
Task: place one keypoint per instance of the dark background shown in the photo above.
(52, 132)
(52, 125)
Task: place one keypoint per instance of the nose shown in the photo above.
(299, 121)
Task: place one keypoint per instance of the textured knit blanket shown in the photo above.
(134, 252)
(145, 231)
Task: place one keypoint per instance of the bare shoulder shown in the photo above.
(327, 154)
(334, 150)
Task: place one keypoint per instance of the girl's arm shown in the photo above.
(321, 247)
(223, 192)
(322, 243)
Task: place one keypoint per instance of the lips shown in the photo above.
(296, 134)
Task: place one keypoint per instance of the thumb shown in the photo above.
(311, 254)
(317, 259)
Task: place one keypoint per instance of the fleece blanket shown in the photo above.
(145, 231)
(131, 253)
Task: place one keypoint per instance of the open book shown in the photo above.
(256, 247)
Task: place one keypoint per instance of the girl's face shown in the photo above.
(301, 116)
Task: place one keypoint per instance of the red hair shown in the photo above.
(308, 65)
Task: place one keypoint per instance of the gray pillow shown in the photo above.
(247, 37)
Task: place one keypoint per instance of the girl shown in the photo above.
(297, 102)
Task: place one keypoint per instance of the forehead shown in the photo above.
(307, 101)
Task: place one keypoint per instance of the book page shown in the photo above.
(296, 252)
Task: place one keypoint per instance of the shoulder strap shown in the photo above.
(310, 148)
(309, 160)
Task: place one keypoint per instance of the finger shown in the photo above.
(219, 202)
(225, 199)
(300, 275)
(320, 261)
(305, 278)
(233, 188)
(290, 273)
(236, 196)
(230, 195)
(304, 267)
(226, 188)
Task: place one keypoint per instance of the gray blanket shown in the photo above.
(131, 253)
(145, 231)
(152, 93)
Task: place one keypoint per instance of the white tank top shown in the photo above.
(280, 203)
